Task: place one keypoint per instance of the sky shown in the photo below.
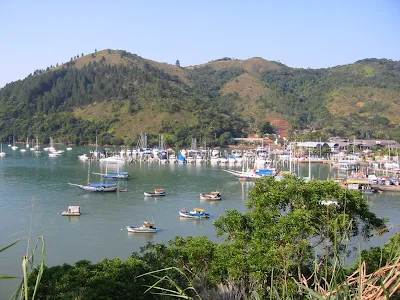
(298, 33)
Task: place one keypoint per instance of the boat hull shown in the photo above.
(153, 194)
(190, 215)
(101, 189)
(141, 229)
(64, 213)
(210, 197)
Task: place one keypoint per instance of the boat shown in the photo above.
(146, 227)
(113, 160)
(2, 154)
(83, 157)
(72, 211)
(252, 174)
(114, 175)
(97, 187)
(156, 193)
(181, 159)
(199, 159)
(22, 150)
(69, 148)
(211, 197)
(196, 213)
(13, 145)
(172, 158)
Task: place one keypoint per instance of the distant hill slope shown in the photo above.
(117, 95)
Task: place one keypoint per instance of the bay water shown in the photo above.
(34, 191)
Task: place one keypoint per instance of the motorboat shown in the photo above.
(113, 159)
(146, 227)
(156, 193)
(211, 197)
(196, 213)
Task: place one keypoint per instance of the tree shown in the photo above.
(267, 128)
(178, 64)
(288, 219)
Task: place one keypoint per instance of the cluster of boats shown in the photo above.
(148, 227)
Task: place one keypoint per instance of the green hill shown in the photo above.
(118, 95)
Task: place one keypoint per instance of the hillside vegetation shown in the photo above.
(117, 95)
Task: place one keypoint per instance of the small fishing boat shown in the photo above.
(72, 211)
(146, 227)
(156, 193)
(212, 196)
(97, 187)
(196, 213)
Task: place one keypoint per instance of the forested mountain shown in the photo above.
(118, 95)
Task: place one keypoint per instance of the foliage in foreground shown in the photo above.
(284, 246)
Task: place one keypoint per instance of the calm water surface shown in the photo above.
(26, 179)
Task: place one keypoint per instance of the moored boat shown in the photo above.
(156, 193)
(211, 197)
(116, 175)
(146, 227)
(72, 211)
(97, 187)
(2, 154)
(196, 213)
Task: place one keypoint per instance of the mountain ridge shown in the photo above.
(124, 94)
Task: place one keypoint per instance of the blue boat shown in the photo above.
(97, 187)
(181, 159)
(117, 175)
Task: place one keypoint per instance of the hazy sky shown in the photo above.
(35, 34)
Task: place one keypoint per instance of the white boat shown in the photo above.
(172, 158)
(223, 160)
(69, 148)
(113, 160)
(199, 159)
(97, 187)
(214, 159)
(190, 159)
(54, 154)
(213, 196)
(72, 211)
(146, 227)
(83, 157)
(156, 193)
(2, 154)
(22, 150)
(13, 147)
(196, 213)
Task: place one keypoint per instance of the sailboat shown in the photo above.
(13, 146)
(2, 154)
(9, 142)
(27, 142)
(96, 187)
(114, 175)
